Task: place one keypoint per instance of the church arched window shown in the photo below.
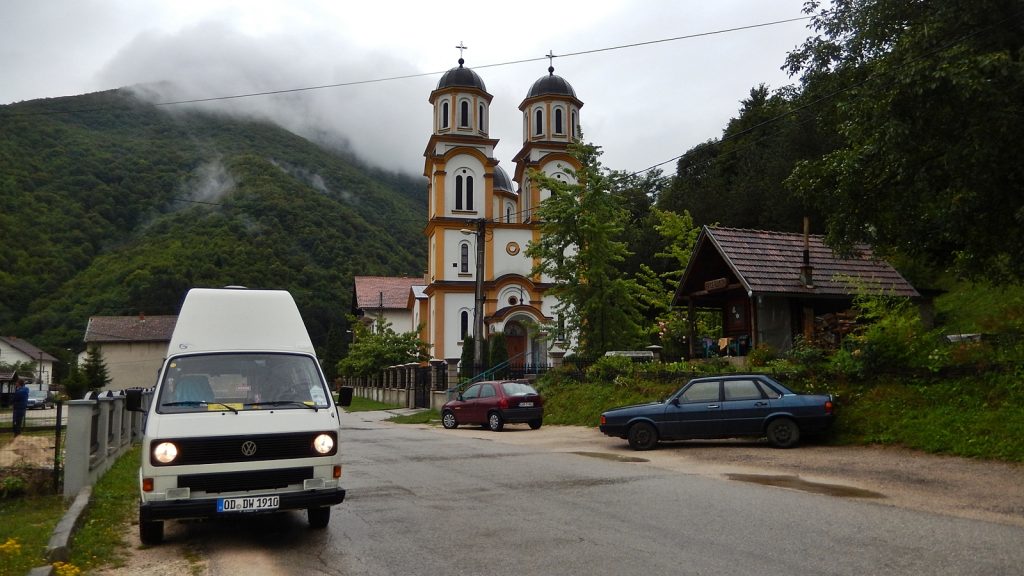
(444, 115)
(464, 258)
(508, 213)
(464, 324)
(458, 192)
(481, 118)
(469, 192)
(574, 128)
(538, 122)
(559, 128)
(464, 114)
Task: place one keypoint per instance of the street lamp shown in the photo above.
(478, 309)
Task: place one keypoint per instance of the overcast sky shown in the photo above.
(642, 105)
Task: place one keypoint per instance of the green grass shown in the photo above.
(367, 405)
(25, 528)
(423, 417)
(100, 540)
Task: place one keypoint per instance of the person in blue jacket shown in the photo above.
(20, 405)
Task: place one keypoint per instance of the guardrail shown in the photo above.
(99, 431)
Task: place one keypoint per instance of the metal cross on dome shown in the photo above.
(461, 47)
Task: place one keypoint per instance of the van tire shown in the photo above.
(151, 533)
(319, 517)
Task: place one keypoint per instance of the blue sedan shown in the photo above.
(726, 406)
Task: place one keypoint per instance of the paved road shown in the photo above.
(428, 502)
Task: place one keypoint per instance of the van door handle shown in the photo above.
(713, 406)
(760, 403)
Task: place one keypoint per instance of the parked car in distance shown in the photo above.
(493, 404)
(726, 406)
(40, 399)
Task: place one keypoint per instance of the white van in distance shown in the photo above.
(241, 419)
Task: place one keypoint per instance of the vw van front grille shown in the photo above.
(251, 448)
(242, 481)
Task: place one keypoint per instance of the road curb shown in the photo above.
(57, 548)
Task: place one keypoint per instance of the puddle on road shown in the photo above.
(797, 483)
(615, 457)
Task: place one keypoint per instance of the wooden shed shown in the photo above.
(772, 286)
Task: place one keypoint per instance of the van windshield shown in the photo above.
(241, 381)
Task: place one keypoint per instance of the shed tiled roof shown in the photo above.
(395, 291)
(769, 263)
(27, 348)
(130, 328)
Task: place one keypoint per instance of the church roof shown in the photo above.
(551, 85)
(461, 76)
(502, 180)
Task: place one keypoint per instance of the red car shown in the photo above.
(494, 403)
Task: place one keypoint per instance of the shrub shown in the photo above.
(607, 368)
(761, 355)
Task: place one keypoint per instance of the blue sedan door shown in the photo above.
(744, 408)
(697, 413)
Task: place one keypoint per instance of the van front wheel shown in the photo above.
(318, 517)
(151, 532)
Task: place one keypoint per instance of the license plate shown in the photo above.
(248, 504)
(526, 404)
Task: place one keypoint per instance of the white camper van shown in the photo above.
(241, 420)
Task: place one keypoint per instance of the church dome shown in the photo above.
(502, 181)
(551, 85)
(461, 76)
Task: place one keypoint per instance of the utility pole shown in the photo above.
(478, 312)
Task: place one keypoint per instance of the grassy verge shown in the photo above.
(100, 540)
(367, 405)
(424, 417)
(25, 528)
(976, 416)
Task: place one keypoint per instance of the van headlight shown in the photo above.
(323, 444)
(165, 452)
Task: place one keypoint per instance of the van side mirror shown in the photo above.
(345, 395)
(133, 399)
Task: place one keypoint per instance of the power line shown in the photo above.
(425, 74)
(839, 91)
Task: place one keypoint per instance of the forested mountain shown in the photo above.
(111, 206)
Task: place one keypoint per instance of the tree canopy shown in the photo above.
(582, 251)
(927, 99)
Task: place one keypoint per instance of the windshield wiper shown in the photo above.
(198, 403)
(284, 403)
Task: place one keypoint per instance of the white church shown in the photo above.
(470, 196)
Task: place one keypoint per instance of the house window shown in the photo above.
(444, 115)
(558, 121)
(538, 122)
(464, 258)
(464, 324)
(464, 114)
(458, 192)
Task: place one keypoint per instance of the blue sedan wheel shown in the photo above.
(783, 433)
(642, 436)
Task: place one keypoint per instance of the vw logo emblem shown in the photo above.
(248, 448)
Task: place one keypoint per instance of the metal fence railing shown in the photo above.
(32, 462)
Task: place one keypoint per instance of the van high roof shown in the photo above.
(213, 319)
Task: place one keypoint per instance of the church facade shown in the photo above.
(480, 219)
